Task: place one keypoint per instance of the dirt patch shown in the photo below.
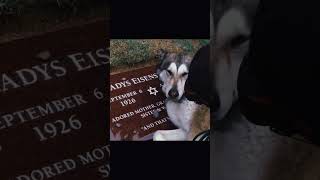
(137, 53)
(125, 68)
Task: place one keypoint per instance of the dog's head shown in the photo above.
(173, 72)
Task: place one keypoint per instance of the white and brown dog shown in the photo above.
(189, 117)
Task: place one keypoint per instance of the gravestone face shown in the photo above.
(53, 105)
(137, 105)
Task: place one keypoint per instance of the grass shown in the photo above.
(19, 7)
(131, 53)
(18, 18)
(8, 7)
(15, 7)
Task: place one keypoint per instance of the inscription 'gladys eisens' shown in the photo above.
(54, 69)
(133, 81)
(137, 105)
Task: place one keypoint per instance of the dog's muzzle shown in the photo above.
(173, 93)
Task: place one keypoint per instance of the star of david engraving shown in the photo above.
(152, 90)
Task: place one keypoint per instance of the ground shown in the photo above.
(24, 18)
(129, 54)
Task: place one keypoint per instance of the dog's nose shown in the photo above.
(173, 93)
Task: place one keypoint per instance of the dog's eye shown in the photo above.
(184, 74)
(169, 72)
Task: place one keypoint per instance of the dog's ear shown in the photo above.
(188, 59)
(161, 54)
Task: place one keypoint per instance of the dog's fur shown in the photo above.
(232, 24)
(189, 117)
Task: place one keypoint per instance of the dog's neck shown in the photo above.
(183, 98)
(180, 112)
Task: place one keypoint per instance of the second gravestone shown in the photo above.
(53, 105)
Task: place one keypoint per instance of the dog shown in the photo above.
(173, 72)
(232, 22)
